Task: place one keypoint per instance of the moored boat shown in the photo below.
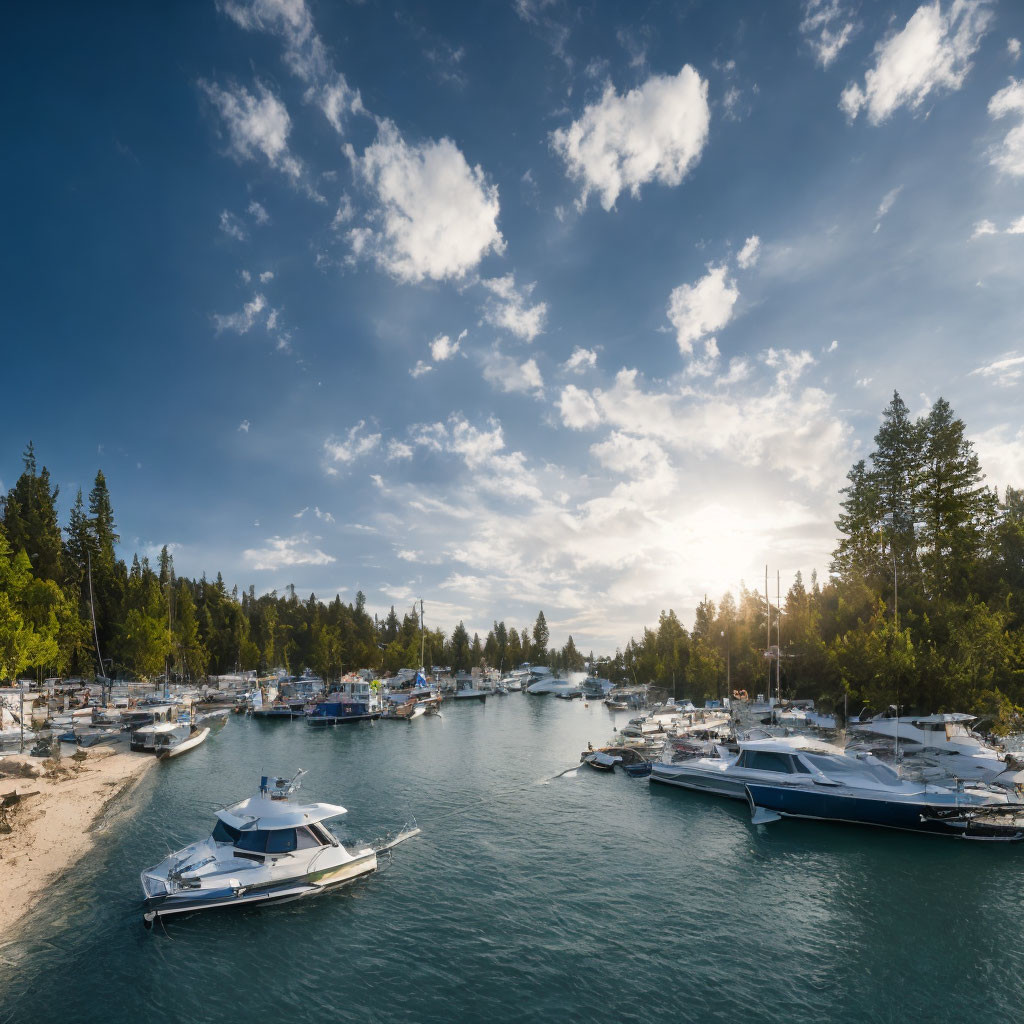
(800, 778)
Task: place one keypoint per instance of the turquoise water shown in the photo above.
(589, 898)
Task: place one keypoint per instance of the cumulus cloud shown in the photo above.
(304, 52)
(420, 369)
(509, 310)
(1008, 156)
(354, 445)
(656, 132)
(510, 375)
(259, 213)
(1006, 371)
(931, 53)
(827, 26)
(750, 252)
(698, 309)
(282, 552)
(442, 347)
(436, 216)
(398, 450)
(1001, 454)
(579, 412)
(1013, 48)
(581, 360)
(243, 321)
(232, 226)
(256, 124)
(244, 426)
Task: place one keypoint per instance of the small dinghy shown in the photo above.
(602, 762)
(266, 849)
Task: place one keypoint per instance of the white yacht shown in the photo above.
(267, 848)
(944, 743)
(799, 777)
(167, 739)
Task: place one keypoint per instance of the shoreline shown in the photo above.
(55, 823)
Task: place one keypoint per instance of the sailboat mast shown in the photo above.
(768, 638)
(92, 612)
(778, 634)
(422, 642)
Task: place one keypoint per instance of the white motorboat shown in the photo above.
(267, 848)
(799, 777)
(167, 739)
(943, 743)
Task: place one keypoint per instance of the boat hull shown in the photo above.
(907, 816)
(283, 892)
(182, 748)
(702, 782)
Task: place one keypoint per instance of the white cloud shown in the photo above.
(833, 346)
(581, 360)
(827, 26)
(282, 552)
(300, 513)
(698, 309)
(244, 426)
(653, 133)
(509, 310)
(420, 368)
(442, 347)
(987, 227)
(437, 216)
(398, 450)
(1004, 372)
(324, 517)
(344, 213)
(243, 321)
(267, 275)
(1001, 455)
(750, 252)
(931, 53)
(354, 445)
(232, 226)
(304, 52)
(578, 409)
(510, 375)
(255, 124)
(259, 213)
(245, 276)
(1008, 157)
(707, 364)
(1013, 48)
(886, 205)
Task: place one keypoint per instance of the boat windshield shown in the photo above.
(771, 761)
(850, 769)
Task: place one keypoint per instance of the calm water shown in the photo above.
(584, 898)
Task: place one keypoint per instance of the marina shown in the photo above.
(550, 857)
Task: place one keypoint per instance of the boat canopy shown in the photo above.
(262, 812)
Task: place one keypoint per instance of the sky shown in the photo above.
(509, 305)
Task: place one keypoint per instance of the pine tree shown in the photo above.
(539, 649)
(30, 519)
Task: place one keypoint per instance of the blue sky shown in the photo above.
(508, 305)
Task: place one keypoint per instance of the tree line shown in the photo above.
(923, 604)
(53, 580)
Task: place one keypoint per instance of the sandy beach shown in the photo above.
(51, 824)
